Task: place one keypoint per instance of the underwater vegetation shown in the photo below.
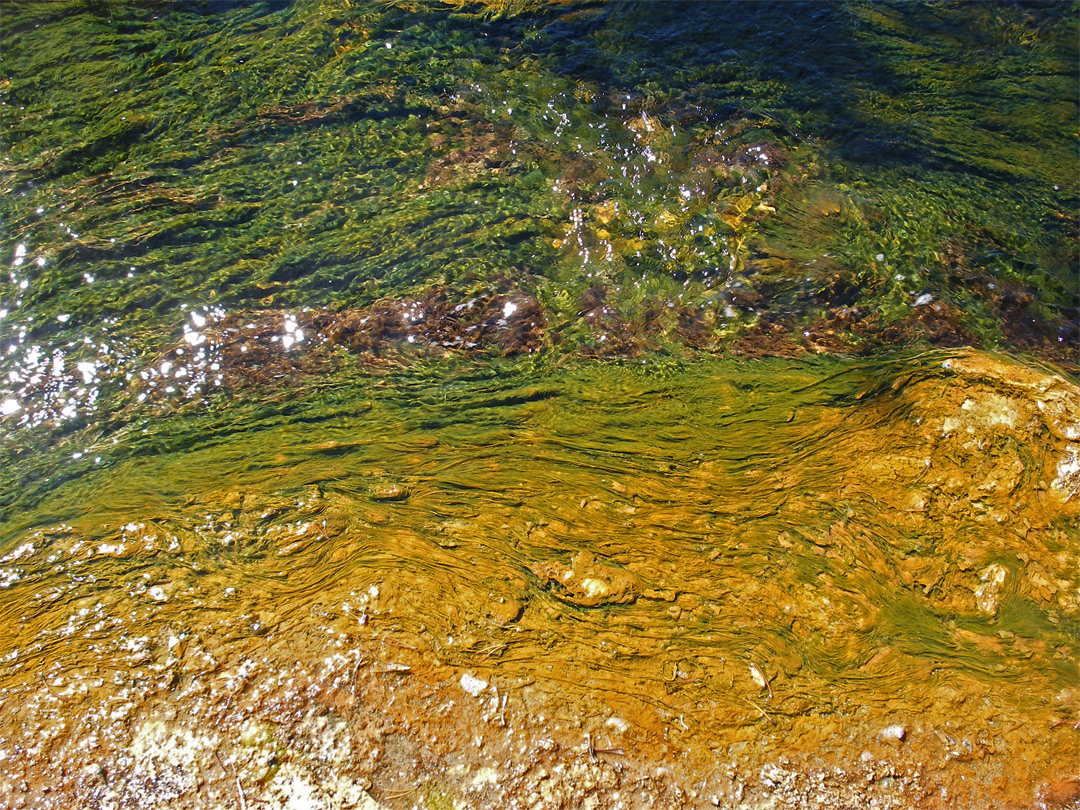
(539, 403)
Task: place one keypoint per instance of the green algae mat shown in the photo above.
(539, 404)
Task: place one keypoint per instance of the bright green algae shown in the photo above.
(939, 136)
(816, 176)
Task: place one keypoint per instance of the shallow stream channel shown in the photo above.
(550, 405)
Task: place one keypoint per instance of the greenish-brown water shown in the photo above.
(540, 405)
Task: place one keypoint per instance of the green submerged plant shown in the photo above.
(755, 178)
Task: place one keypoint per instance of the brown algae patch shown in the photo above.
(737, 584)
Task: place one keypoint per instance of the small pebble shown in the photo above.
(893, 733)
(473, 685)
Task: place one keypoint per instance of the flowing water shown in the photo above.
(530, 404)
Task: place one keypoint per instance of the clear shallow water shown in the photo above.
(622, 550)
(385, 325)
(904, 175)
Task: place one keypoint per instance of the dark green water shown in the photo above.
(671, 284)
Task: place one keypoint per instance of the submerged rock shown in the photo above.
(473, 685)
(588, 583)
(986, 594)
(389, 492)
(895, 733)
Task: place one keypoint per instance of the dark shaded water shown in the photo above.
(601, 352)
